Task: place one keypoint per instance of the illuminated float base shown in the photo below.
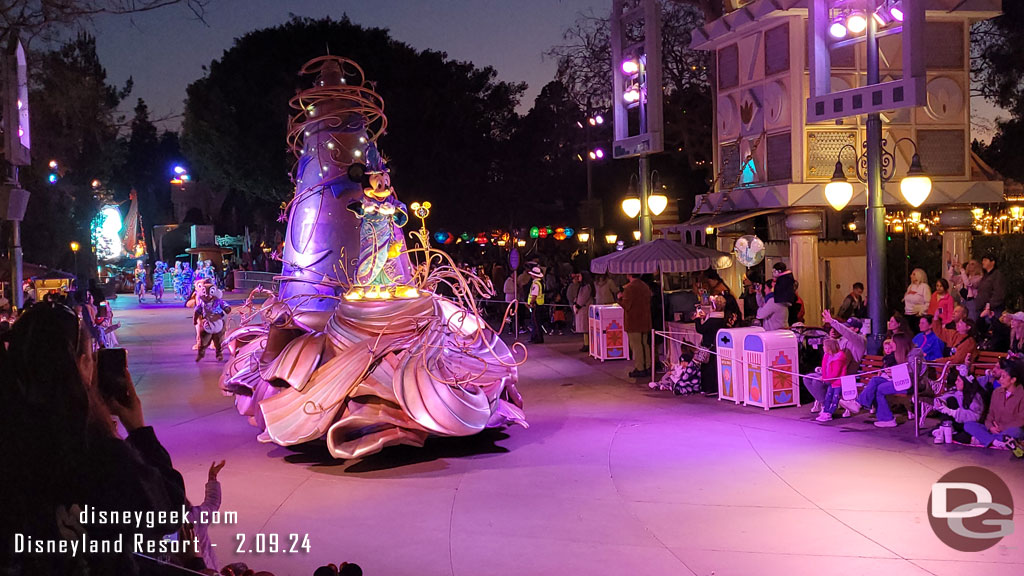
(372, 373)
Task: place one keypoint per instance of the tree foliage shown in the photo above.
(75, 122)
(997, 71)
(47, 17)
(448, 120)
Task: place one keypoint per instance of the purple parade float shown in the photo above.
(356, 347)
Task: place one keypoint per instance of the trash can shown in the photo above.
(608, 333)
(772, 363)
(732, 381)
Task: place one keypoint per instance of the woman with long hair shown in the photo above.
(917, 297)
(61, 451)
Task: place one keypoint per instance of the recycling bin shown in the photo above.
(772, 367)
(732, 373)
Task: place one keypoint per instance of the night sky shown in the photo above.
(165, 50)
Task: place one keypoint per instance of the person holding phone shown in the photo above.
(209, 315)
(61, 449)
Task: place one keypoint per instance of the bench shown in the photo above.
(985, 360)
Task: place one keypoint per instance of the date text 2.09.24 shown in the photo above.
(272, 543)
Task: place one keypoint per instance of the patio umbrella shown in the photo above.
(661, 256)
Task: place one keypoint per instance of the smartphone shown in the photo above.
(111, 368)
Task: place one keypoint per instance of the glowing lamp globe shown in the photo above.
(636, 235)
(916, 186)
(837, 30)
(657, 203)
(583, 237)
(857, 22)
(631, 206)
(611, 238)
(630, 66)
(569, 232)
(534, 232)
(542, 233)
(839, 191)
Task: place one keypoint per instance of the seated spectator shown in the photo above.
(851, 341)
(879, 393)
(349, 569)
(833, 368)
(964, 403)
(1005, 420)
(61, 452)
(681, 378)
(961, 342)
(927, 341)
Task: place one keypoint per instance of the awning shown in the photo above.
(661, 256)
(718, 220)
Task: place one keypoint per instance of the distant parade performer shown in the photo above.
(159, 269)
(176, 278)
(186, 282)
(209, 316)
(140, 280)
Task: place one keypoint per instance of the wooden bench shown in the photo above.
(985, 360)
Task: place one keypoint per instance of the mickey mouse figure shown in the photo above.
(381, 217)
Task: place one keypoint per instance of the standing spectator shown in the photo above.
(853, 305)
(535, 300)
(964, 280)
(575, 283)
(498, 275)
(605, 290)
(750, 303)
(773, 316)
(929, 343)
(636, 303)
(708, 327)
(509, 288)
(1005, 418)
(917, 296)
(211, 503)
(941, 300)
(716, 287)
(796, 310)
(581, 309)
(785, 285)
(991, 288)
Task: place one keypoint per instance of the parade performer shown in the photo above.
(209, 315)
(140, 279)
(186, 282)
(176, 278)
(159, 269)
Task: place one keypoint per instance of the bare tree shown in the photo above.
(43, 18)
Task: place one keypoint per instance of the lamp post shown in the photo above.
(644, 205)
(74, 250)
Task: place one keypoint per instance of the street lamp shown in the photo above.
(610, 238)
(633, 204)
(915, 186)
(583, 237)
(74, 249)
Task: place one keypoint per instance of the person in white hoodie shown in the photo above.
(917, 297)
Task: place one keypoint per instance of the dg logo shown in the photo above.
(971, 509)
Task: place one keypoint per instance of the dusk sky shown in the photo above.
(165, 50)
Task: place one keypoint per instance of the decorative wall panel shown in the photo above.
(779, 157)
(776, 103)
(944, 45)
(776, 50)
(942, 152)
(823, 149)
(728, 67)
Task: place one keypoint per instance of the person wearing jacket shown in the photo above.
(1005, 418)
(851, 341)
(928, 341)
(961, 341)
(833, 367)
(772, 315)
(581, 308)
(636, 305)
(708, 327)
(785, 285)
(917, 296)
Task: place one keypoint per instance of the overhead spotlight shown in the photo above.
(632, 95)
(896, 11)
(631, 66)
(593, 122)
(599, 119)
(856, 22)
(837, 29)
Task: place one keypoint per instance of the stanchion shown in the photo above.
(917, 406)
(654, 372)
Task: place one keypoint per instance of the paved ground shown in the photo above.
(610, 478)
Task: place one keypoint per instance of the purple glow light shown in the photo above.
(630, 66)
(896, 12)
(837, 30)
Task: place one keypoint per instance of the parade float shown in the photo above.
(356, 347)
